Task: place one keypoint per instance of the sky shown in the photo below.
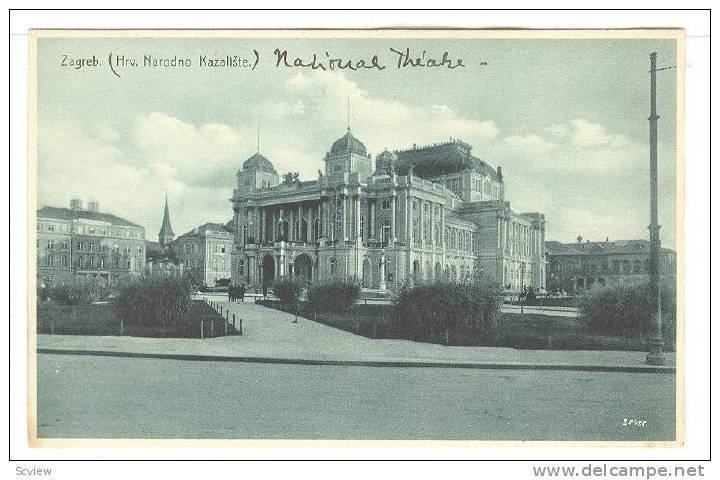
(566, 119)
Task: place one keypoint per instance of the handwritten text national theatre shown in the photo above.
(400, 59)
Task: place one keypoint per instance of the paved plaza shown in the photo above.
(109, 397)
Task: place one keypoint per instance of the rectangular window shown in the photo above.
(386, 204)
(51, 227)
(338, 168)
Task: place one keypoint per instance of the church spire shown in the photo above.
(166, 234)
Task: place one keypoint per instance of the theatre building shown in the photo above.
(427, 212)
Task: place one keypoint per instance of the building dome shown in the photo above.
(259, 162)
(385, 163)
(348, 144)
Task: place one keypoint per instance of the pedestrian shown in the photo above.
(264, 291)
(241, 293)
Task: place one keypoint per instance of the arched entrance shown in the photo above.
(417, 274)
(438, 271)
(268, 270)
(367, 273)
(303, 267)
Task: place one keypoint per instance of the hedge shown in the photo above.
(625, 310)
(441, 309)
(335, 296)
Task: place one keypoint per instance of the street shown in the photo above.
(110, 397)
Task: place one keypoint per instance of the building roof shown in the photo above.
(204, 229)
(441, 159)
(73, 214)
(348, 144)
(259, 162)
(599, 248)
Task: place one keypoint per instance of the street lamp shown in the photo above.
(655, 339)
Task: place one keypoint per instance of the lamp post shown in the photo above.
(655, 339)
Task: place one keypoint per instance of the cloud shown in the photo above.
(586, 134)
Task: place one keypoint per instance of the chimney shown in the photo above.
(607, 239)
(76, 204)
(93, 206)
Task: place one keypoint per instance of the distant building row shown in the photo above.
(582, 266)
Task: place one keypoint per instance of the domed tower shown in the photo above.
(385, 163)
(347, 155)
(257, 172)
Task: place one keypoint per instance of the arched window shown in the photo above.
(637, 266)
(362, 226)
(333, 266)
(241, 266)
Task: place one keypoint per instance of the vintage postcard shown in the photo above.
(388, 235)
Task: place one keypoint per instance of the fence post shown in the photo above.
(202, 330)
(52, 324)
(233, 320)
(212, 328)
(122, 326)
(221, 310)
(240, 327)
(226, 327)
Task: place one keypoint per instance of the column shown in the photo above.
(344, 217)
(310, 224)
(432, 227)
(357, 216)
(442, 228)
(371, 207)
(263, 229)
(300, 220)
(393, 207)
(408, 217)
(421, 203)
(275, 224)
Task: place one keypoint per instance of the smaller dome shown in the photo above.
(385, 163)
(348, 144)
(259, 162)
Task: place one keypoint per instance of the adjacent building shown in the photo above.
(581, 266)
(84, 243)
(427, 212)
(205, 253)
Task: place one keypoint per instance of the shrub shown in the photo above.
(80, 292)
(625, 310)
(288, 289)
(335, 296)
(155, 301)
(438, 309)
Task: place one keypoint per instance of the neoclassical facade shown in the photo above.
(432, 212)
(79, 243)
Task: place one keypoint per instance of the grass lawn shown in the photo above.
(101, 319)
(514, 330)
